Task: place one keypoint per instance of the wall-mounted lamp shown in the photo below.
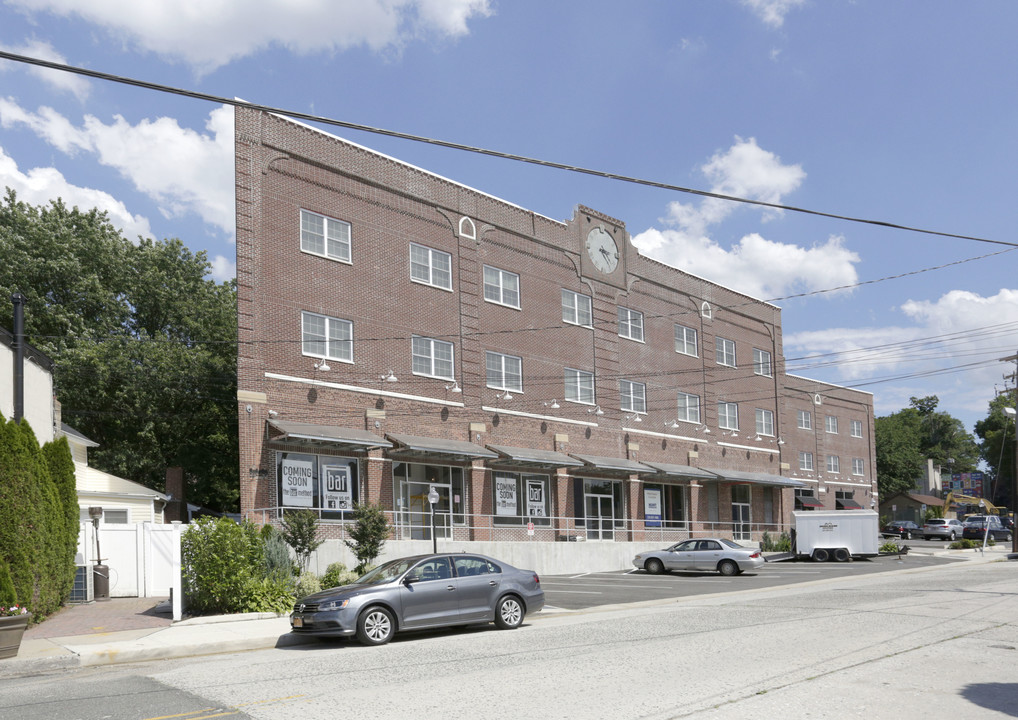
(553, 405)
(455, 387)
(780, 441)
(704, 429)
(733, 433)
(504, 395)
(272, 413)
(758, 438)
(596, 410)
(673, 424)
(322, 365)
(635, 417)
(391, 377)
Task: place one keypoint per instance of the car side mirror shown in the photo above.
(410, 579)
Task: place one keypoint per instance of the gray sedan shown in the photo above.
(421, 592)
(725, 556)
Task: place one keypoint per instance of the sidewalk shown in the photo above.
(126, 630)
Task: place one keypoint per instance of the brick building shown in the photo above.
(401, 332)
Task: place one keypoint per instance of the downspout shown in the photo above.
(19, 356)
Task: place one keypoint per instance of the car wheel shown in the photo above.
(376, 626)
(821, 555)
(842, 555)
(509, 613)
(654, 566)
(728, 567)
(953, 536)
(906, 535)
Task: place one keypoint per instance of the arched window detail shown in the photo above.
(467, 228)
(705, 310)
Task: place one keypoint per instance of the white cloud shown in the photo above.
(773, 12)
(223, 268)
(754, 266)
(41, 185)
(183, 171)
(207, 35)
(77, 85)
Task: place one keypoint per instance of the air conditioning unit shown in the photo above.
(83, 590)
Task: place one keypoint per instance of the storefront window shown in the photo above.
(318, 482)
(521, 498)
(664, 505)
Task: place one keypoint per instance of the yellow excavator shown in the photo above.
(981, 505)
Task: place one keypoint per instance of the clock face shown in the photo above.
(603, 251)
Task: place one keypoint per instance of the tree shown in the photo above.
(300, 530)
(944, 438)
(997, 432)
(368, 534)
(144, 345)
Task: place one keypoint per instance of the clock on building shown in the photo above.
(603, 251)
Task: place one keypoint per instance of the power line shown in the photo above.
(124, 80)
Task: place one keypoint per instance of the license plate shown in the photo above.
(298, 622)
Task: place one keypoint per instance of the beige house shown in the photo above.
(39, 405)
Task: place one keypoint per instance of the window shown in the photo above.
(579, 386)
(728, 416)
(805, 420)
(432, 358)
(576, 309)
(634, 396)
(664, 505)
(320, 235)
(856, 428)
(502, 287)
(705, 311)
(833, 464)
(505, 372)
(326, 337)
(764, 422)
(857, 466)
(724, 352)
(832, 424)
(521, 498)
(631, 324)
(761, 362)
(806, 461)
(111, 516)
(430, 267)
(322, 482)
(689, 407)
(685, 341)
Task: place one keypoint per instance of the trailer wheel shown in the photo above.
(842, 555)
(821, 555)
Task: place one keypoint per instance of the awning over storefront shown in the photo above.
(533, 457)
(847, 505)
(324, 435)
(679, 472)
(757, 478)
(613, 465)
(429, 446)
(808, 501)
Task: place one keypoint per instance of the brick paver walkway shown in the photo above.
(104, 616)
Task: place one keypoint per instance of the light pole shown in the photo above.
(432, 500)
(1013, 414)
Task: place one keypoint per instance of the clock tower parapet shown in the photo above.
(603, 245)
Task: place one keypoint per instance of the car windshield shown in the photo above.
(730, 543)
(386, 572)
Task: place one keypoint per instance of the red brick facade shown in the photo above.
(284, 167)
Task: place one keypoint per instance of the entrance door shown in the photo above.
(741, 496)
(600, 517)
(417, 514)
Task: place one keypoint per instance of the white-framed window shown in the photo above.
(764, 422)
(805, 420)
(705, 310)
(689, 407)
(630, 324)
(856, 428)
(634, 396)
(728, 416)
(831, 424)
(505, 372)
(110, 516)
(501, 287)
(324, 236)
(579, 386)
(761, 362)
(805, 461)
(685, 341)
(430, 267)
(724, 351)
(521, 498)
(858, 467)
(833, 464)
(326, 337)
(576, 309)
(432, 358)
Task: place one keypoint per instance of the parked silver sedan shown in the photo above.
(421, 592)
(725, 556)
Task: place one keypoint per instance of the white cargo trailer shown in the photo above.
(835, 534)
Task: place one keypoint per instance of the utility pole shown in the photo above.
(1014, 475)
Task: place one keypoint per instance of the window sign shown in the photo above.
(652, 507)
(298, 488)
(505, 495)
(535, 498)
(336, 491)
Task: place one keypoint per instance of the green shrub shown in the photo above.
(889, 547)
(782, 544)
(964, 544)
(300, 530)
(307, 584)
(267, 595)
(276, 563)
(368, 534)
(7, 595)
(337, 574)
(220, 559)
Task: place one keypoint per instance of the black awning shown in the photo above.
(757, 478)
(847, 505)
(429, 446)
(613, 465)
(808, 501)
(533, 457)
(314, 435)
(685, 472)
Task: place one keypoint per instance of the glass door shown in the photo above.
(417, 510)
(740, 512)
(599, 516)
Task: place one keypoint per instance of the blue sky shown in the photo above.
(899, 112)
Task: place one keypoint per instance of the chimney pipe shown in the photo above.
(19, 356)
